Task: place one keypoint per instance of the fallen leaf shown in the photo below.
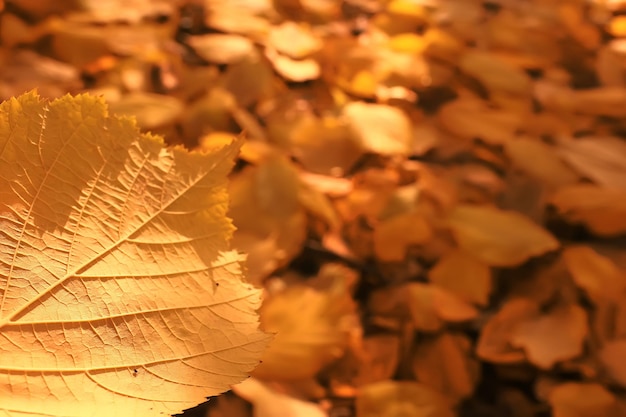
(270, 403)
(116, 289)
(602, 210)
(495, 73)
(405, 398)
(150, 110)
(463, 275)
(498, 237)
(494, 344)
(312, 329)
(393, 236)
(540, 161)
(611, 357)
(552, 337)
(381, 129)
(574, 399)
(444, 364)
(597, 275)
(221, 48)
(602, 159)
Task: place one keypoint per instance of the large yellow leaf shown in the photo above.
(117, 293)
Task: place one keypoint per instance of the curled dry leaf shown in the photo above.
(499, 237)
(392, 398)
(297, 41)
(602, 210)
(115, 284)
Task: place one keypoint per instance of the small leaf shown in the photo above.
(497, 237)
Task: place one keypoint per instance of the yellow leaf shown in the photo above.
(312, 329)
(381, 129)
(116, 294)
(498, 237)
(221, 48)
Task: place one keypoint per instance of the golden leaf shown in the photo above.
(116, 294)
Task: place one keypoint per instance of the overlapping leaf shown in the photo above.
(117, 293)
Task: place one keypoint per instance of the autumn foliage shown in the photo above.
(431, 197)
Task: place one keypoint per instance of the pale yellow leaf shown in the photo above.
(116, 294)
(380, 128)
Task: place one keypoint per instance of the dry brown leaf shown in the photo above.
(602, 210)
(582, 400)
(540, 161)
(312, 328)
(552, 337)
(601, 159)
(474, 119)
(392, 399)
(597, 275)
(378, 360)
(498, 237)
(394, 236)
(494, 344)
(463, 275)
(611, 357)
(444, 364)
(151, 110)
(495, 73)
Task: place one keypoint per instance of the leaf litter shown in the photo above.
(430, 193)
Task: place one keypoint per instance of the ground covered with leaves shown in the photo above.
(432, 193)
